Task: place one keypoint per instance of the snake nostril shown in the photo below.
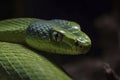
(81, 46)
(76, 43)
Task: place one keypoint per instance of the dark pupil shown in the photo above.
(56, 36)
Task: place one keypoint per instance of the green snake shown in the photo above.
(18, 38)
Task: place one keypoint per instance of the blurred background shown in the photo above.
(98, 18)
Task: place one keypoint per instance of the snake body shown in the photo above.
(18, 62)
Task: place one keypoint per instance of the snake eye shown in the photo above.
(57, 36)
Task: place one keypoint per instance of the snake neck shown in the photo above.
(13, 30)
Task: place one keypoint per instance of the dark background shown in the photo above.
(98, 18)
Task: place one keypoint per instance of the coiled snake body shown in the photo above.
(18, 62)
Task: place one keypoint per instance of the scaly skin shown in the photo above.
(54, 36)
(23, 64)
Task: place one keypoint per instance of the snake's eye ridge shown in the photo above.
(57, 36)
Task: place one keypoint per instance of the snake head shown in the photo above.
(71, 42)
(58, 36)
(71, 37)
